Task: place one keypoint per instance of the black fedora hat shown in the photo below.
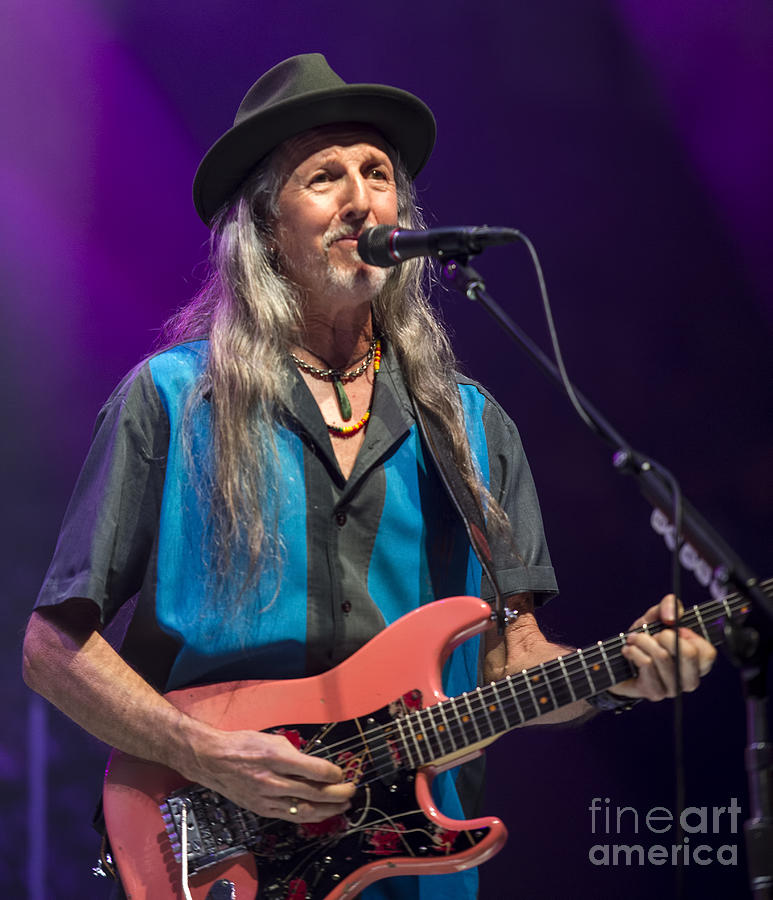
(300, 93)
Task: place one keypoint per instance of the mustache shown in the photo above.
(333, 234)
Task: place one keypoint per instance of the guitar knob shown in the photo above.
(222, 890)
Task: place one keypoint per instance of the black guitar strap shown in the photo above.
(465, 502)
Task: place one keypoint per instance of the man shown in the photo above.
(261, 486)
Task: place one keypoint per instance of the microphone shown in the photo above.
(388, 245)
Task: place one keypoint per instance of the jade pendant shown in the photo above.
(343, 401)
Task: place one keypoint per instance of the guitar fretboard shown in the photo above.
(438, 731)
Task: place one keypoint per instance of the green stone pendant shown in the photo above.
(343, 401)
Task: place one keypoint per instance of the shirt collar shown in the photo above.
(390, 420)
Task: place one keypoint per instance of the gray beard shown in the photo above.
(350, 280)
(345, 278)
(328, 275)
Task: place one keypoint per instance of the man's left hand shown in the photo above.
(653, 656)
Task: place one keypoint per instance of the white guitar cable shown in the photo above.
(184, 845)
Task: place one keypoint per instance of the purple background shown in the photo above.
(631, 141)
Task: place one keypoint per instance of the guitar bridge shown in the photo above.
(216, 828)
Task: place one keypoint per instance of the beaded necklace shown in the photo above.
(325, 374)
(339, 376)
(349, 430)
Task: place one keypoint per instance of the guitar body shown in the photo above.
(393, 827)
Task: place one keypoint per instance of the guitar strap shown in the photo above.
(467, 504)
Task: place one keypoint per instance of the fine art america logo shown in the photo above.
(659, 824)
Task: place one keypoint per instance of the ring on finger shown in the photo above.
(292, 809)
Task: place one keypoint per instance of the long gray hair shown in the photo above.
(252, 315)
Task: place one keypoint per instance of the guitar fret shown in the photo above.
(471, 714)
(719, 613)
(688, 619)
(449, 730)
(491, 729)
(563, 690)
(587, 672)
(701, 623)
(542, 698)
(567, 679)
(550, 687)
(537, 710)
(413, 763)
(518, 709)
(424, 719)
(431, 733)
(455, 714)
(624, 668)
(425, 733)
(577, 676)
(409, 724)
(709, 622)
(612, 678)
(438, 730)
(497, 706)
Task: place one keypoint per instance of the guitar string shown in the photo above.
(694, 616)
(385, 817)
(575, 669)
(326, 752)
(270, 824)
(492, 692)
(329, 752)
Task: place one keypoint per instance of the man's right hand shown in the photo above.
(68, 662)
(266, 774)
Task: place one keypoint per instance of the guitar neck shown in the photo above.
(446, 729)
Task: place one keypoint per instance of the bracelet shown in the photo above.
(606, 701)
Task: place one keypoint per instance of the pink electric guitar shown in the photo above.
(382, 716)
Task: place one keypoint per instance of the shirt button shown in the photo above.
(341, 518)
(346, 606)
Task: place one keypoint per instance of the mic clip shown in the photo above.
(463, 277)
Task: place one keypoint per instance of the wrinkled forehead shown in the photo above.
(296, 150)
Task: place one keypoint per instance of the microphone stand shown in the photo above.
(749, 645)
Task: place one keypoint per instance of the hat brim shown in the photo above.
(406, 123)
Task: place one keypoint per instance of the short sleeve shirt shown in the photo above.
(351, 555)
